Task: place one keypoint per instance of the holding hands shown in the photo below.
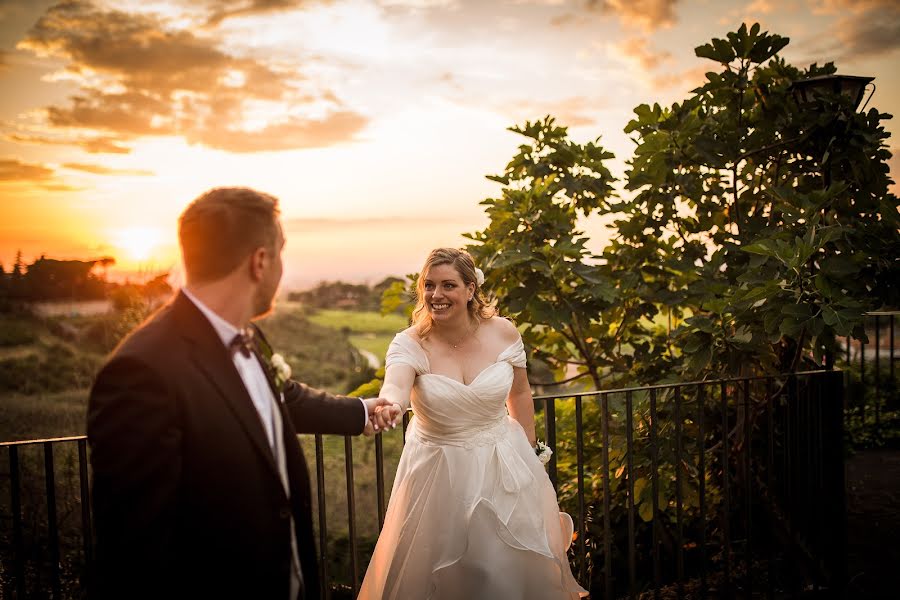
(383, 414)
(387, 416)
(387, 410)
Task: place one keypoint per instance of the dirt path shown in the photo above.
(370, 356)
(873, 523)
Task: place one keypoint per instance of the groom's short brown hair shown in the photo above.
(222, 227)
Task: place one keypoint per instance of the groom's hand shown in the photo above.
(387, 417)
(373, 405)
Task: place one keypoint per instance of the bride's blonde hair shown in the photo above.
(479, 306)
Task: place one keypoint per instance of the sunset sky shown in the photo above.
(374, 122)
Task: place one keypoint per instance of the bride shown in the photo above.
(472, 514)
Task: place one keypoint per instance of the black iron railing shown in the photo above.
(47, 536)
(747, 475)
(734, 466)
(872, 369)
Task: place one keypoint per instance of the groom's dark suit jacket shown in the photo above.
(187, 498)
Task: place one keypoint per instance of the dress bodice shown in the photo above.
(448, 410)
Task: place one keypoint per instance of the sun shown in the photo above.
(138, 243)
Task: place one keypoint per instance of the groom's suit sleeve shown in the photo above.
(316, 411)
(135, 441)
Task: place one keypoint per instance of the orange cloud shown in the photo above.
(226, 9)
(12, 169)
(292, 134)
(864, 28)
(563, 20)
(131, 113)
(763, 7)
(833, 7)
(92, 145)
(103, 146)
(140, 78)
(687, 79)
(638, 50)
(101, 170)
(646, 14)
(574, 111)
(35, 176)
(61, 187)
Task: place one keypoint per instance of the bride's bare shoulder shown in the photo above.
(503, 328)
(412, 333)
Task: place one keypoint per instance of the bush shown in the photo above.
(16, 332)
(59, 369)
(319, 356)
(871, 415)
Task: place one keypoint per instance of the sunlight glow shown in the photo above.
(139, 243)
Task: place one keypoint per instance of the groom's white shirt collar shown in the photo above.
(225, 330)
(248, 367)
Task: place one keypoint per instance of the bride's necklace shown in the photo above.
(459, 342)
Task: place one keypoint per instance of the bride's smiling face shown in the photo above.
(446, 295)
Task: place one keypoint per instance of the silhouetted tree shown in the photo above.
(51, 279)
(16, 276)
(157, 288)
(337, 294)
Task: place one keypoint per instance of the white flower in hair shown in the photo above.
(479, 276)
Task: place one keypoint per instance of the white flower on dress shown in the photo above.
(479, 276)
(281, 368)
(543, 452)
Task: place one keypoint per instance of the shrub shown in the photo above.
(59, 369)
(16, 333)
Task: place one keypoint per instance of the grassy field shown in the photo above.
(44, 415)
(359, 321)
(376, 343)
(368, 331)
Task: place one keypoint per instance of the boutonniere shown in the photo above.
(278, 368)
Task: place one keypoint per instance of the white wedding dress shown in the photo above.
(472, 514)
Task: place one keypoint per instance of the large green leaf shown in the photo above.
(645, 510)
(719, 50)
(839, 266)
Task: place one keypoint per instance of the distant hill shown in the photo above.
(342, 295)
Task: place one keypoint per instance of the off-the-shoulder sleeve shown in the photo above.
(514, 355)
(405, 351)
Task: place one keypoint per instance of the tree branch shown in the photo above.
(561, 382)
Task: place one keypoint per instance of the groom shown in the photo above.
(200, 487)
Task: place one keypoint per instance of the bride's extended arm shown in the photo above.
(398, 384)
(520, 403)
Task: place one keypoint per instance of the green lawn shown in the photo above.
(367, 330)
(359, 321)
(43, 415)
(376, 343)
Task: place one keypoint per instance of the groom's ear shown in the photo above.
(257, 263)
